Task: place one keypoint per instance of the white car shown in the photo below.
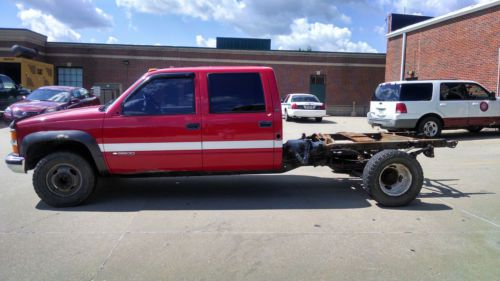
(302, 106)
(429, 106)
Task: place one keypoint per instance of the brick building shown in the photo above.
(464, 44)
(339, 78)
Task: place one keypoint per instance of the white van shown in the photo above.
(429, 106)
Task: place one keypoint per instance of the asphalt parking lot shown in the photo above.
(308, 224)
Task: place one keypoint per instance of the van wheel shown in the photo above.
(430, 127)
(393, 178)
(63, 179)
(474, 129)
(319, 119)
(287, 118)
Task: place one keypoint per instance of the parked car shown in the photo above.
(48, 99)
(10, 92)
(302, 106)
(429, 106)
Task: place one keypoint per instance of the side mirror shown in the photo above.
(493, 95)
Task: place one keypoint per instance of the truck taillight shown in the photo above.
(294, 106)
(13, 141)
(401, 108)
(322, 106)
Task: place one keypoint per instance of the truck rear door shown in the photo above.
(238, 121)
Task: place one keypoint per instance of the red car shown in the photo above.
(49, 99)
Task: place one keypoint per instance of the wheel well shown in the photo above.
(39, 150)
(430, 115)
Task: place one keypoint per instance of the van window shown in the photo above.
(235, 93)
(403, 92)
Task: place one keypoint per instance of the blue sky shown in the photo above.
(322, 25)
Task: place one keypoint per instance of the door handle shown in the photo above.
(193, 126)
(475, 103)
(442, 104)
(265, 124)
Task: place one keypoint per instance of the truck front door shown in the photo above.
(158, 128)
(237, 122)
(483, 109)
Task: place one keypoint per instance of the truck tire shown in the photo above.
(63, 179)
(430, 126)
(393, 178)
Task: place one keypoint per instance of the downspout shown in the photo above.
(403, 57)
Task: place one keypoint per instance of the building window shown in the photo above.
(70, 76)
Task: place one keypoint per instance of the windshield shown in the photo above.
(305, 98)
(49, 95)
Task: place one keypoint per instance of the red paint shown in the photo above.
(111, 127)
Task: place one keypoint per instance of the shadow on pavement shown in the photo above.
(311, 120)
(244, 192)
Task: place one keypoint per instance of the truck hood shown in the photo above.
(67, 116)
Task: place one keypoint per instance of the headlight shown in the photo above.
(8, 110)
(52, 109)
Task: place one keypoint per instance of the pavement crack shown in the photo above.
(470, 214)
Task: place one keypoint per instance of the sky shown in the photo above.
(319, 25)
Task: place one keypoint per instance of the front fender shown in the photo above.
(81, 137)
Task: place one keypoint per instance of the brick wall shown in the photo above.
(350, 77)
(463, 48)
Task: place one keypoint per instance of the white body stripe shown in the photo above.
(173, 146)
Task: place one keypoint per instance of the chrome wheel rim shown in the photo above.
(430, 128)
(395, 179)
(64, 180)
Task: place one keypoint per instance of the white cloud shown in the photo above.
(379, 29)
(319, 37)
(75, 13)
(112, 40)
(252, 17)
(208, 42)
(46, 24)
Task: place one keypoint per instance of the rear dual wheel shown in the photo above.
(393, 178)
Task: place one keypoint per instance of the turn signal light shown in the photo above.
(294, 106)
(401, 108)
(13, 141)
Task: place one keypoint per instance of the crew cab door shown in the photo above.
(483, 108)
(237, 122)
(158, 128)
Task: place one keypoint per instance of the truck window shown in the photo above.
(452, 91)
(235, 93)
(162, 96)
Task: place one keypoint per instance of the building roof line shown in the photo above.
(436, 20)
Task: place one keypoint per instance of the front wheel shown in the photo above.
(287, 117)
(63, 179)
(430, 127)
(393, 178)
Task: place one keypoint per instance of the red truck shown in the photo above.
(201, 121)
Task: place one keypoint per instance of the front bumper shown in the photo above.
(306, 113)
(15, 163)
